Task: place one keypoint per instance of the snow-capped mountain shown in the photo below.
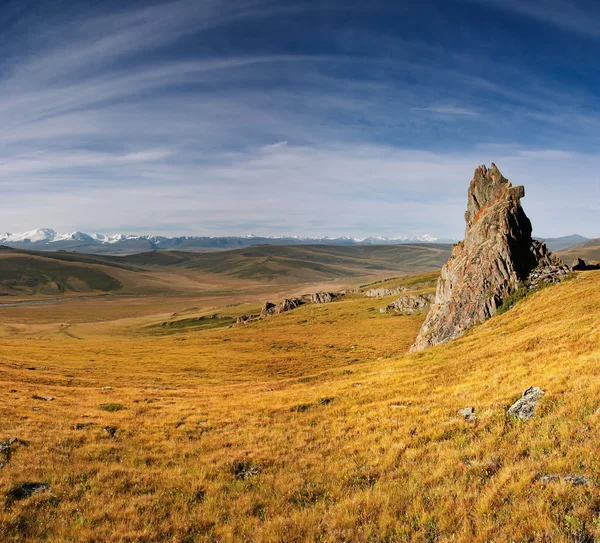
(47, 239)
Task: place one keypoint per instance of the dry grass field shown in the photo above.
(308, 426)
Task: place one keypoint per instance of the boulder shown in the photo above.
(497, 254)
(468, 413)
(524, 407)
(580, 265)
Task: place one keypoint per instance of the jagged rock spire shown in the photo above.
(497, 253)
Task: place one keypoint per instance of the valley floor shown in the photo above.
(312, 425)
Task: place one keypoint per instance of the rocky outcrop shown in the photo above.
(580, 265)
(322, 297)
(412, 303)
(381, 292)
(497, 254)
(275, 309)
(268, 309)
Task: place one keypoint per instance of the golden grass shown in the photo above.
(310, 426)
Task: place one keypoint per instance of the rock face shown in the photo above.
(525, 406)
(497, 253)
(407, 305)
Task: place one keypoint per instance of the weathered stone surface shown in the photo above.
(497, 254)
(412, 303)
(524, 407)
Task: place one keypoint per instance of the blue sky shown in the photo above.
(224, 117)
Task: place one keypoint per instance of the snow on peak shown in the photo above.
(39, 234)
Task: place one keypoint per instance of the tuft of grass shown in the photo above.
(112, 407)
(520, 293)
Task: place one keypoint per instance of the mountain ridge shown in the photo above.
(47, 239)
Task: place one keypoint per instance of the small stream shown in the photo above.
(33, 302)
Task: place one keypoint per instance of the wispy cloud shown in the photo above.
(157, 114)
(446, 110)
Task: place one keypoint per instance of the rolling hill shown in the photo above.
(36, 272)
(588, 250)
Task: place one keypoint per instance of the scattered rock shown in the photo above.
(468, 413)
(245, 470)
(83, 425)
(410, 304)
(497, 254)
(580, 265)
(6, 450)
(43, 398)
(575, 480)
(110, 430)
(245, 319)
(35, 409)
(524, 407)
(106, 388)
(22, 491)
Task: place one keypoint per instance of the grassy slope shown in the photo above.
(588, 250)
(389, 460)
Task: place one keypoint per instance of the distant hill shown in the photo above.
(27, 273)
(588, 250)
(556, 244)
(46, 239)
(37, 272)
